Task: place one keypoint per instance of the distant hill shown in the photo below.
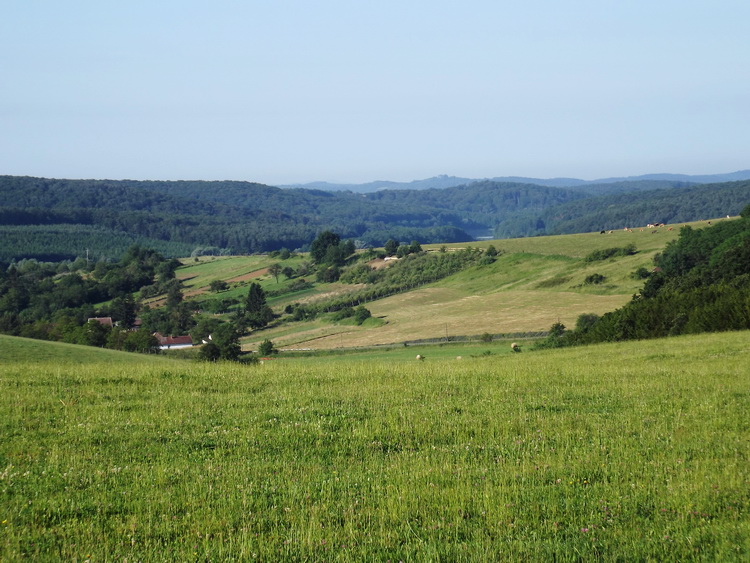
(444, 181)
(53, 219)
(620, 210)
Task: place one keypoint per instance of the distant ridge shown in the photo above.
(445, 181)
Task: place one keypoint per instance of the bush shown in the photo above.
(218, 285)
(594, 279)
(266, 348)
(361, 314)
(606, 253)
(640, 274)
(209, 352)
(344, 313)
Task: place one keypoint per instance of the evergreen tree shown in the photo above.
(257, 313)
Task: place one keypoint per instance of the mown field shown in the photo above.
(533, 284)
(629, 452)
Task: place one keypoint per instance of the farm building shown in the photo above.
(173, 342)
(106, 321)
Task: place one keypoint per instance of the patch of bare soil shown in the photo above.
(379, 263)
(250, 276)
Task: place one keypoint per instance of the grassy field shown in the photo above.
(629, 452)
(533, 284)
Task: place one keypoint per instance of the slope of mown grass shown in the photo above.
(534, 283)
(14, 350)
(579, 245)
(627, 452)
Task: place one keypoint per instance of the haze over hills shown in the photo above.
(445, 181)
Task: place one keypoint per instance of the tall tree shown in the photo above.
(257, 313)
(320, 245)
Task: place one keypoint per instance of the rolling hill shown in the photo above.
(532, 284)
(51, 219)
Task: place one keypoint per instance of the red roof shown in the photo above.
(174, 340)
(106, 321)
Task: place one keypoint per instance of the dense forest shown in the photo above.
(51, 219)
(620, 210)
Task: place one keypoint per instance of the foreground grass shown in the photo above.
(631, 452)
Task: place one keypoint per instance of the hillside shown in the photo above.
(633, 451)
(532, 284)
(22, 351)
(619, 210)
(51, 219)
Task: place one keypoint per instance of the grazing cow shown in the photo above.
(603, 232)
(420, 357)
(515, 347)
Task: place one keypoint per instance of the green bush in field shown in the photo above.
(266, 348)
(594, 279)
(607, 253)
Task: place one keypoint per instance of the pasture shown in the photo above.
(634, 451)
(533, 284)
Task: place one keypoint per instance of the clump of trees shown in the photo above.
(330, 253)
(52, 302)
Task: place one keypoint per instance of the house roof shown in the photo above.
(174, 340)
(106, 321)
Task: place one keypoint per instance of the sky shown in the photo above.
(348, 91)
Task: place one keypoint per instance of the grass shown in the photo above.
(15, 350)
(632, 452)
(579, 245)
(534, 283)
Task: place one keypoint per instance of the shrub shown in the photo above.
(361, 314)
(640, 274)
(266, 348)
(606, 253)
(344, 313)
(594, 279)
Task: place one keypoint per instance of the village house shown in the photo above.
(173, 342)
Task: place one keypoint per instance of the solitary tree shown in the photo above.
(218, 285)
(257, 313)
(391, 247)
(275, 270)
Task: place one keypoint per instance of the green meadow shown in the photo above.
(534, 283)
(620, 452)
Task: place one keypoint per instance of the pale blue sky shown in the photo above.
(353, 91)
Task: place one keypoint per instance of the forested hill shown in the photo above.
(632, 209)
(59, 219)
(242, 217)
